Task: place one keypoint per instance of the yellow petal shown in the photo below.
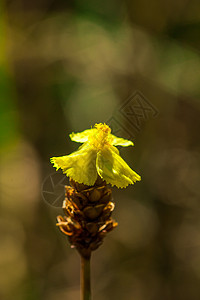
(120, 141)
(114, 170)
(79, 165)
(82, 137)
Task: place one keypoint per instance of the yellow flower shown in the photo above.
(97, 156)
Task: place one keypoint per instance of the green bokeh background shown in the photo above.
(65, 65)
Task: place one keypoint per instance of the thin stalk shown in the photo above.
(85, 279)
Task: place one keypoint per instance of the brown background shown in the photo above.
(64, 66)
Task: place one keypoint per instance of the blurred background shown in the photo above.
(65, 65)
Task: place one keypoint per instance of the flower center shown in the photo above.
(101, 137)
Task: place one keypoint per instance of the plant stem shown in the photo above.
(85, 279)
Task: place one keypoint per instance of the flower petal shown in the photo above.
(120, 141)
(79, 165)
(114, 170)
(82, 137)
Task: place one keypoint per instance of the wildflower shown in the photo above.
(97, 157)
